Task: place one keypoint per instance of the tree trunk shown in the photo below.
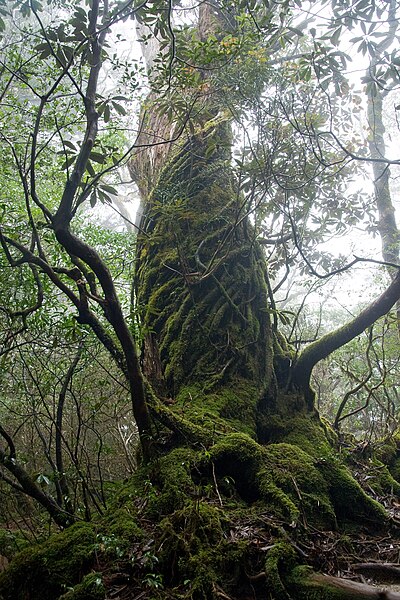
(218, 368)
(245, 473)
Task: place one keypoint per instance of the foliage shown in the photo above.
(249, 136)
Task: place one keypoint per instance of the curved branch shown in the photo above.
(360, 384)
(30, 487)
(113, 313)
(323, 347)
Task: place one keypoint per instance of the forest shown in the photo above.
(199, 300)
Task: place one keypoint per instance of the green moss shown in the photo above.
(171, 477)
(90, 588)
(279, 562)
(308, 433)
(388, 452)
(395, 468)
(213, 327)
(46, 570)
(122, 524)
(350, 502)
(201, 570)
(381, 480)
(240, 457)
(189, 540)
(230, 409)
(300, 583)
(176, 421)
(292, 486)
(12, 542)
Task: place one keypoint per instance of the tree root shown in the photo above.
(388, 570)
(343, 589)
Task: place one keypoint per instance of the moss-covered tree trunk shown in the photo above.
(237, 438)
(202, 287)
(233, 419)
(243, 474)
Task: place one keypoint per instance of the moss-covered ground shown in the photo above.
(235, 519)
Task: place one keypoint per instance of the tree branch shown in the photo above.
(323, 347)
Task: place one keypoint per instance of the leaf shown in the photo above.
(119, 108)
(93, 198)
(90, 170)
(210, 150)
(97, 157)
(109, 188)
(36, 5)
(69, 145)
(296, 31)
(42, 46)
(68, 52)
(45, 49)
(103, 197)
(335, 38)
(70, 160)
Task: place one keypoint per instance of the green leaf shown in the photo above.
(70, 160)
(70, 145)
(103, 197)
(119, 108)
(109, 189)
(336, 36)
(210, 150)
(97, 157)
(90, 170)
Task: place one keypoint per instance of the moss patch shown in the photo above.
(231, 408)
(293, 487)
(12, 542)
(388, 452)
(279, 563)
(45, 571)
(202, 280)
(350, 502)
(172, 482)
(90, 588)
(189, 540)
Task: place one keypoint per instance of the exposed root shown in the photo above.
(389, 570)
(349, 590)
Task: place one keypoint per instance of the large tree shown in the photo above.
(238, 470)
